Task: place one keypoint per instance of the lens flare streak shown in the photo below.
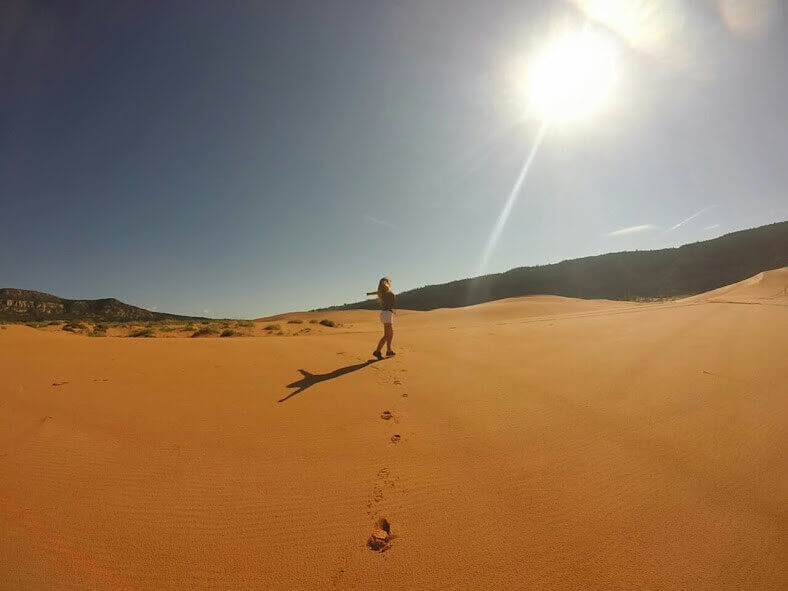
(512, 199)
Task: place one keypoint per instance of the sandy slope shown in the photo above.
(545, 443)
(769, 287)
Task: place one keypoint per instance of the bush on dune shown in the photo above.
(205, 331)
(142, 332)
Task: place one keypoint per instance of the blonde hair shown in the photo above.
(384, 285)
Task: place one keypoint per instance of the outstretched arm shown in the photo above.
(372, 293)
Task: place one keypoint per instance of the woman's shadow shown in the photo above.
(310, 379)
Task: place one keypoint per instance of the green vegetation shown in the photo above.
(295, 321)
(74, 327)
(189, 326)
(34, 324)
(205, 331)
(244, 324)
(99, 330)
(142, 332)
(326, 322)
(228, 332)
(272, 327)
(53, 322)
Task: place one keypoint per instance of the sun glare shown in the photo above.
(572, 77)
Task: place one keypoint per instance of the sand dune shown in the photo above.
(534, 443)
(769, 287)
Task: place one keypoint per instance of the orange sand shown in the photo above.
(545, 443)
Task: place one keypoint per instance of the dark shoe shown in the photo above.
(377, 354)
(390, 353)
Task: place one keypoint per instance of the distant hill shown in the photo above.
(670, 272)
(22, 304)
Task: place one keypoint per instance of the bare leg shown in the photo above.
(382, 341)
(388, 334)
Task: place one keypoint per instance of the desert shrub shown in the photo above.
(244, 324)
(295, 321)
(97, 333)
(189, 326)
(273, 327)
(165, 328)
(100, 327)
(228, 332)
(73, 326)
(313, 321)
(326, 322)
(205, 331)
(280, 333)
(53, 322)
(142, 332)
(205, 322)
(33, 324)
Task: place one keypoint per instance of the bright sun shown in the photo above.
(572, 77)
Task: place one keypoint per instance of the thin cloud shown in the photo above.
(380, 222)
(711, 227)
(692, 217)
(633, 230)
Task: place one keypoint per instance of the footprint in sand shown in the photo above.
(405, 395)
(378, 490)
(59, 383)
(381, 537)
(386, 415)
(395, 438)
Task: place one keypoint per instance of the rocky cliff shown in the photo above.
(23, 305)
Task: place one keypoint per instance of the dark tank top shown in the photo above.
(387, 301)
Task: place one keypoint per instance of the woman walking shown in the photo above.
(386, 299)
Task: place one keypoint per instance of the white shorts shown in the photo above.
(387, 317)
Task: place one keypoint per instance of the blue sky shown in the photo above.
(239, 159)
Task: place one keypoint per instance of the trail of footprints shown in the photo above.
(382, 537)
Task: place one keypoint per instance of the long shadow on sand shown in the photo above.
(310, 379)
